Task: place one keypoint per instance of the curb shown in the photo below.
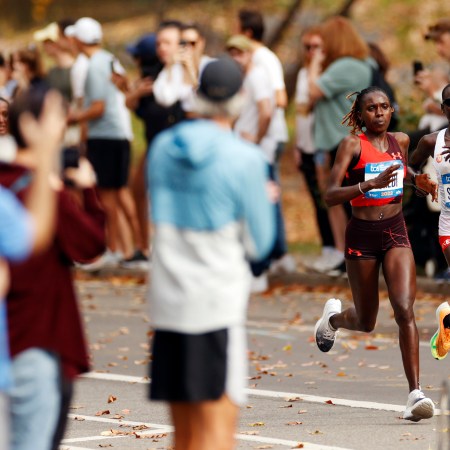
(426, 285)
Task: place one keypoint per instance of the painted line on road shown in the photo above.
(131, 423)
(270, 394)
(165, 429)
(284, 442)
(64, 447)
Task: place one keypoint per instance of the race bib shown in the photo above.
(446, 185)
(394, 189)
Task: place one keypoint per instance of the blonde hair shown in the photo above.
(340, 39)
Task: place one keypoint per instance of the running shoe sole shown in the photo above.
(423, 409)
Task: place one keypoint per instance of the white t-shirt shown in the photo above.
(303, 122)
(170, 86)
(78, 74)
(256, 87)
(269, 61)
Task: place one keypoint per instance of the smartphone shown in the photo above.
(417, 67)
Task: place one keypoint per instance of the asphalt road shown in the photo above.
(351, 398)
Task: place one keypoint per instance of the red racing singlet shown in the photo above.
(370, 163)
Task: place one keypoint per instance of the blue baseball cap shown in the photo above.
(144, 48)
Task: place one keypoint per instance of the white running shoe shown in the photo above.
(329, 260)
(418, 406)
(324, 334)
(108, 259)
(259, 284)
(286, 264)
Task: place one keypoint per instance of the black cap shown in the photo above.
(220, 79)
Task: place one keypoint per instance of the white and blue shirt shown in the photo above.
(211, 213)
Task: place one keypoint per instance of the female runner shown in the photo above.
(375, 165)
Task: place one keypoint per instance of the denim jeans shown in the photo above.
(279, 248)
(35, 399)
(4, 421)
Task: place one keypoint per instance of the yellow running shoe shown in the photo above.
(440, 342)
(433, 347)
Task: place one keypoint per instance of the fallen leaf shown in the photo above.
(329, 402)
(295, 422)
(102, 413)
(111, 399)
(287, 348)
(371, 347)
(256, 424)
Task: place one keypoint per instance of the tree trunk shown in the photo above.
(277, 35)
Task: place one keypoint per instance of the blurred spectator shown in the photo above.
(7, 84)
(251, 24)
(335, 72)
(4, 115)
(23, 232)
(439, 33)
(254, 121)
(156, 117)
(7, 144)
(182, 64)
(27, 69)
(211, 210)
(45, 329)
(305, 147)
(108, 146)
(58, 76)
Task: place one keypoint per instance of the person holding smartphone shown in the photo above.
(179, 78)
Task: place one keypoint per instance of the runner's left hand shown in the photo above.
(424, 183)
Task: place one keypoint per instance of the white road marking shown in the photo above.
(270, 394)
(64, 447)
(290, 444)
(164, 429)
(121, 422)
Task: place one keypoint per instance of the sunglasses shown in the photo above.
(309, 47)
(446, 102)
(184, 43)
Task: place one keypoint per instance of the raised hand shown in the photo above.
(424, 183)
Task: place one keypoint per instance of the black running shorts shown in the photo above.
(198, 367)
(371, 239)
(111, 161)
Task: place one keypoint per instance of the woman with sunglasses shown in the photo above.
(437, 146)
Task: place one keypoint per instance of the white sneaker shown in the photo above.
(418, 406)
(108, 259)
(286, 264)
(329, 260)
(259, 284)
(324, 334)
